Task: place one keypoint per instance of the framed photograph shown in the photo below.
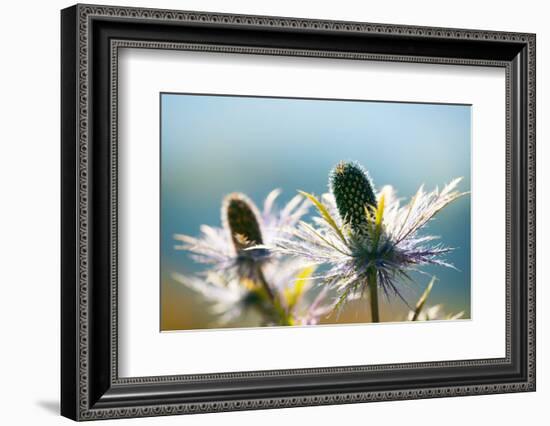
(263, 212)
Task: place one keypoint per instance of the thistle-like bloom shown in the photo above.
(230, 249)
(245, 275)
(368, 239)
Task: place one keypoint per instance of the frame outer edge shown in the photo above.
(531, 213)
(83, 13)
(69, 287)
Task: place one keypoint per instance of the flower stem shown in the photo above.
(284, 319)
(265, 285)
(373, 295)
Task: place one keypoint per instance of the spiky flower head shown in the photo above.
(242, 218)
(353, 192)
(230, 249)
(385, 243)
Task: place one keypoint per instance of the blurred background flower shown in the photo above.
(227, 249)
(245, 277)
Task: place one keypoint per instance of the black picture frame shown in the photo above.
(90, 386)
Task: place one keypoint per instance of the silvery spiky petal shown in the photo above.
(227, 297)
(393, 246)
(321, 307)
(231, 250)
(274, 220)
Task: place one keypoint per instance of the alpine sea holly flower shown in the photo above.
(367, 239)
(238, 257)
(230, 249)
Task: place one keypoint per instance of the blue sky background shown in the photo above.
(213, 145)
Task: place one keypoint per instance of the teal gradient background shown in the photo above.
(213, 145)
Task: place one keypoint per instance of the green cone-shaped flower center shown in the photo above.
(242, 221)
(353, 191)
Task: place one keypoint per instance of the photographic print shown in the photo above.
(300, 212)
